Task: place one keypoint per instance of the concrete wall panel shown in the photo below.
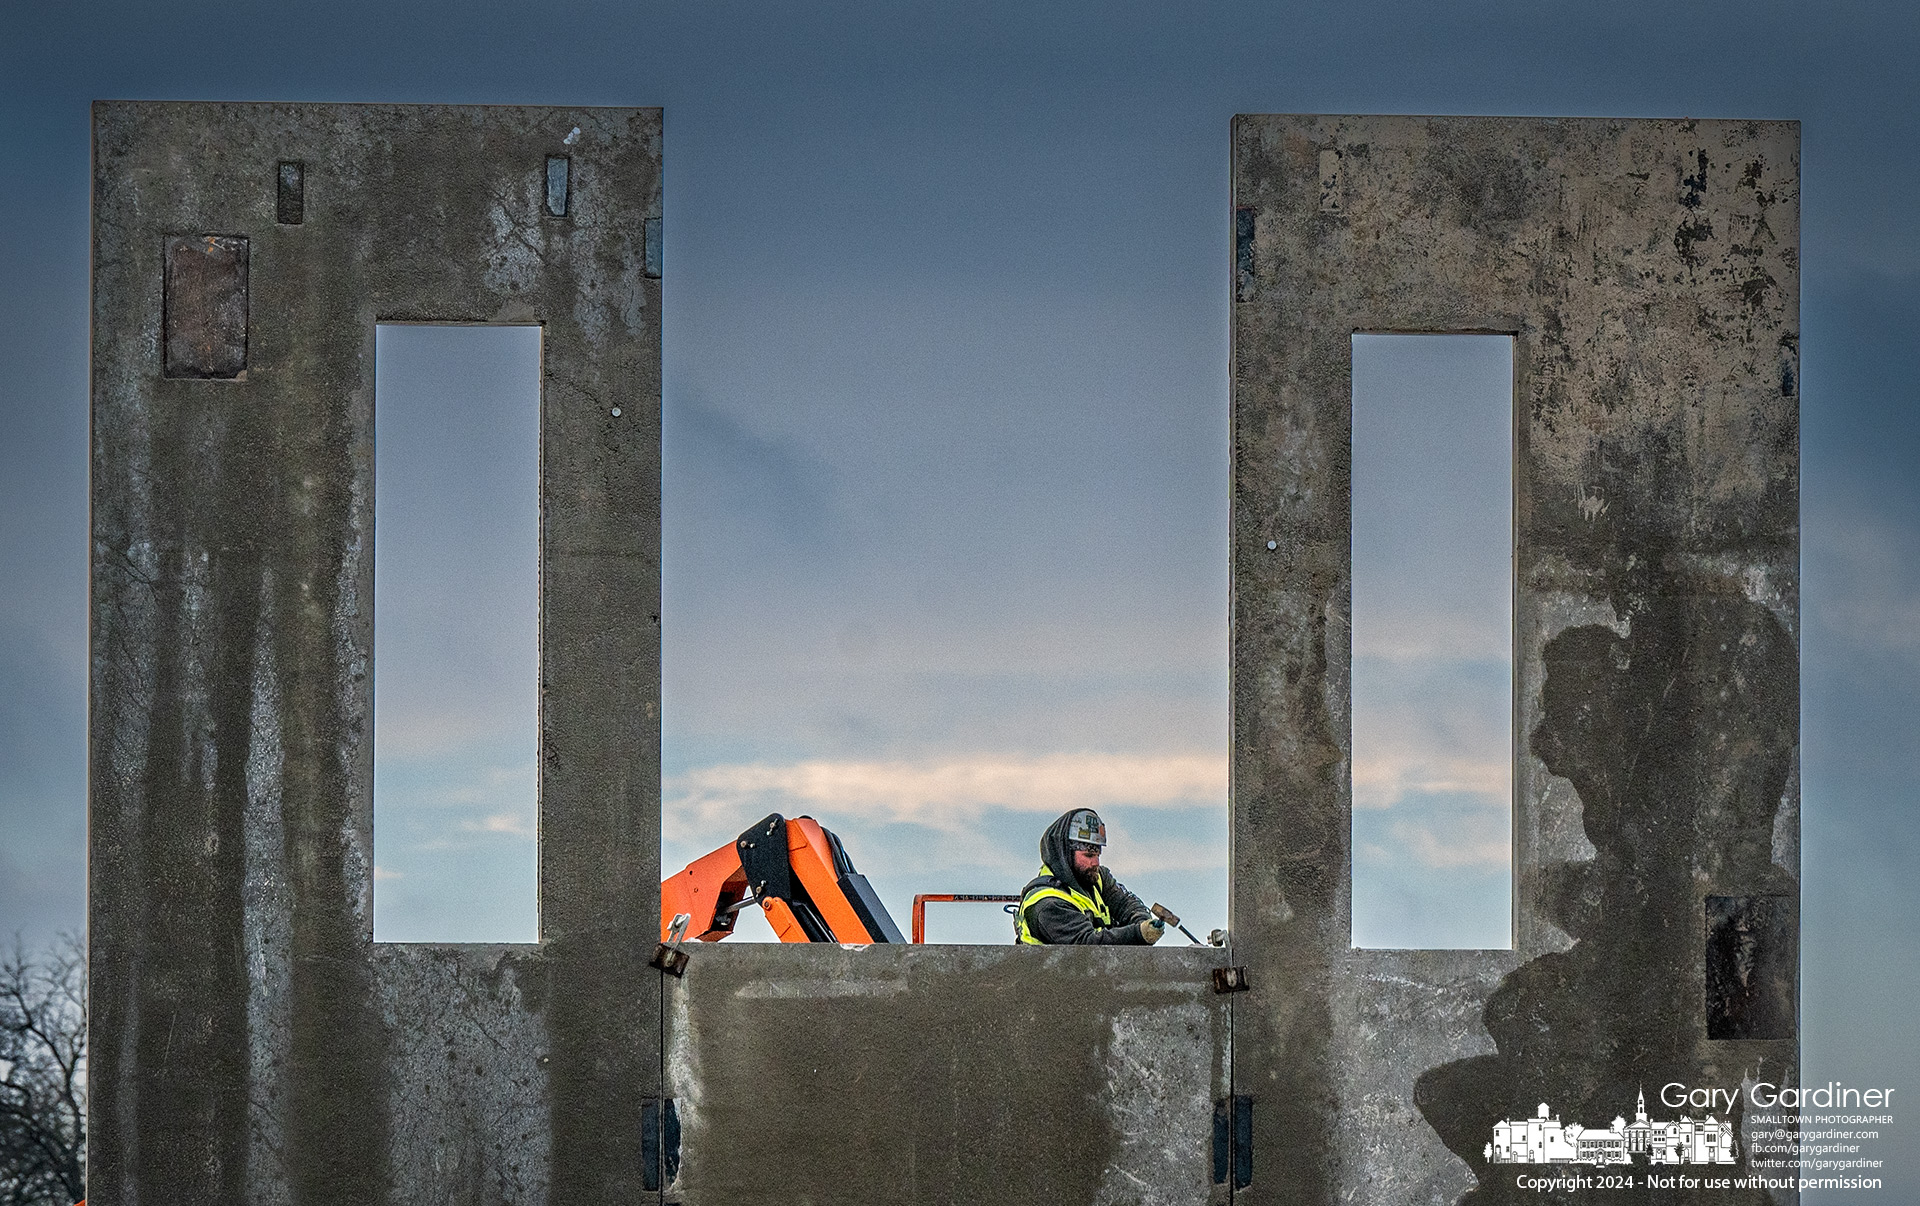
(251, 1042)
(1649, 273)
(947, 1075)
(468, 1097)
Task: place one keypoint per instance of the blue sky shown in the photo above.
(945, 360)
(1432, 665)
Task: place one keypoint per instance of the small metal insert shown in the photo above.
(1233, 1140)
(1242, 1140)
(1222, 1139)
(659, 1142)
(1230, 979)
(291, 209)
(559, 171)
(668, 956)
(650, 1143)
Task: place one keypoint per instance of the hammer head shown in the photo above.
(1165, 915)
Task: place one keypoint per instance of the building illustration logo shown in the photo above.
(1544, 1139)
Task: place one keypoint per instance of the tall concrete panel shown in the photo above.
(1648, 271)
(251, 1043)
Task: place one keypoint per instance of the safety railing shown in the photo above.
(920, 906)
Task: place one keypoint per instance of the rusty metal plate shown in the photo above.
(205, 309)
(1753, 962)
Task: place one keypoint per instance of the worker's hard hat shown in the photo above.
(1086, 828)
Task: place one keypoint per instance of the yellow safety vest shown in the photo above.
(1095, 904)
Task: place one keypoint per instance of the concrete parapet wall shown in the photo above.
(947, 1074)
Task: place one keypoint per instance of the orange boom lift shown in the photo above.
(799, 875)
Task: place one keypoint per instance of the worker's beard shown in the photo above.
(1086, 879)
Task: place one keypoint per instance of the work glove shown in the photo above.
(1151, 930)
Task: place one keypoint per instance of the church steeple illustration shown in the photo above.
(1545, 1139)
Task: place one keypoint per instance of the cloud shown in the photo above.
(1864, 589)
(469, 711)
(1437, 837)
(949, 794)
(1404, 631)
(1163, 854)
(1453, 850)
(516, 824)
(1433, 725)
(41, 896)
(1385, 779)
(458, 803)
(471, 778)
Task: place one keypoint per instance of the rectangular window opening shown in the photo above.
(1432, 542)
(456, 633)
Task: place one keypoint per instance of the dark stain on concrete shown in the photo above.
(1693, 187)
(1488, 187)
(1753, 966)
(1691, 231)
(1678, 738)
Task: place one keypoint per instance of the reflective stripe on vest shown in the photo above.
(1095, 905)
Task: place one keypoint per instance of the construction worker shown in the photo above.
(1076, 900)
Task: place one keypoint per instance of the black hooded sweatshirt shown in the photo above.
(1053, 920)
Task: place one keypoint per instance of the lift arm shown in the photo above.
(798, 873)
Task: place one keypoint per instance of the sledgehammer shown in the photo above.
(1165, 917)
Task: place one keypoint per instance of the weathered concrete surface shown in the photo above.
(250, 1042)
(1384, 1151)
(467, 1059)
(1649, 273)
(947, 1075)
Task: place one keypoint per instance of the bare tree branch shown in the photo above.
(43, 1074)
